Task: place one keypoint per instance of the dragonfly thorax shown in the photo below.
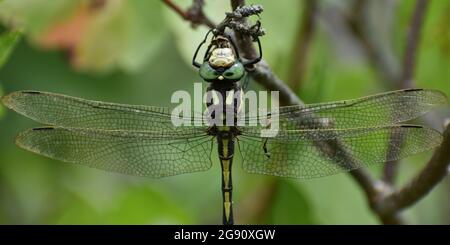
(222, 58)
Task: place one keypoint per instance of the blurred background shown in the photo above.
(138, 52)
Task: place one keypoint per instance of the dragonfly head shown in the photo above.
(221, 62)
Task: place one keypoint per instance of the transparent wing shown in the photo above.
(152, 154)
(376, 110)
(315, 153)
(66, 111)
(382, 109)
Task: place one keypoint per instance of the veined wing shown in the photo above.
(314, 153)
(152, 154)
(67, 111)
(382, 109)
(376, 110)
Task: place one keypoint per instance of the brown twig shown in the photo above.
(386, 205)
(177, 9)
(435, 170)
(302, 45)
(406, 78)
(264, 76)
(412, 42)
(382, 60)
(393, 78)
(194, 14)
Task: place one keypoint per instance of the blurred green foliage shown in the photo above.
(123, 36)
(8, 41)
(138, 52)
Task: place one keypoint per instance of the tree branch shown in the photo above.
(380, 58)
(177, 9)
(412, 42)
(384, 61)
(302, 45)
(406, 78)
(422, 183)
(383, 201)
(194, 14)
(264, 76)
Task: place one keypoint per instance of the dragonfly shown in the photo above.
(313, 140)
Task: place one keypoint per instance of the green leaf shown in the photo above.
(8, 41)
(125, 35)
(34, 16)
(118, 35)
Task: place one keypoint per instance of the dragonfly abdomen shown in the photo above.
(226, 140)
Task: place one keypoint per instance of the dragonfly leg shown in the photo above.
(266, 152)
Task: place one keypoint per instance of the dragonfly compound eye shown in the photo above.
(235, 72)
(207, 72)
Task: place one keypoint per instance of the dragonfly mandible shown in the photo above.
(142, 140)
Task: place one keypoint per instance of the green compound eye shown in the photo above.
(207, 72)
(235, 72)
